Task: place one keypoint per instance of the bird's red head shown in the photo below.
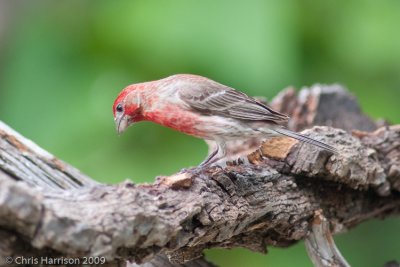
(127, 108)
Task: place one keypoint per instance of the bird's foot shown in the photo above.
(217, 163)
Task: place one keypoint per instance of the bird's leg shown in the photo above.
(216, 155)
(207, 161)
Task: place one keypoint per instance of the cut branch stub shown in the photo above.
(330, 105)
(320, 244)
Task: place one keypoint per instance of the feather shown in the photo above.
(305, 139)
(212, 98)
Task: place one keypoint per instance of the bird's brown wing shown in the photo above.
(212, 98)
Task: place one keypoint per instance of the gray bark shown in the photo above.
(267, 195)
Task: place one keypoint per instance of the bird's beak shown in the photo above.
(121, 123)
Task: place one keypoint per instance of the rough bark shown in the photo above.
(267, 197)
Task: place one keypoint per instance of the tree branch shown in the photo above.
(320, 246)
(268, 197)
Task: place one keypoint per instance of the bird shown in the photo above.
(203, 108)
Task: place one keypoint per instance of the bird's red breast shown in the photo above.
(176, 118)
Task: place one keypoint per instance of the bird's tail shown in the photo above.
(305, 139)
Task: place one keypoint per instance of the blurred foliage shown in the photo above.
(64, 62)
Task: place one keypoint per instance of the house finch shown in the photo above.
(202, 108)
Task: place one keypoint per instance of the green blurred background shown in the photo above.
(62, 63)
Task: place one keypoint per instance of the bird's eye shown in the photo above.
(119, 108)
